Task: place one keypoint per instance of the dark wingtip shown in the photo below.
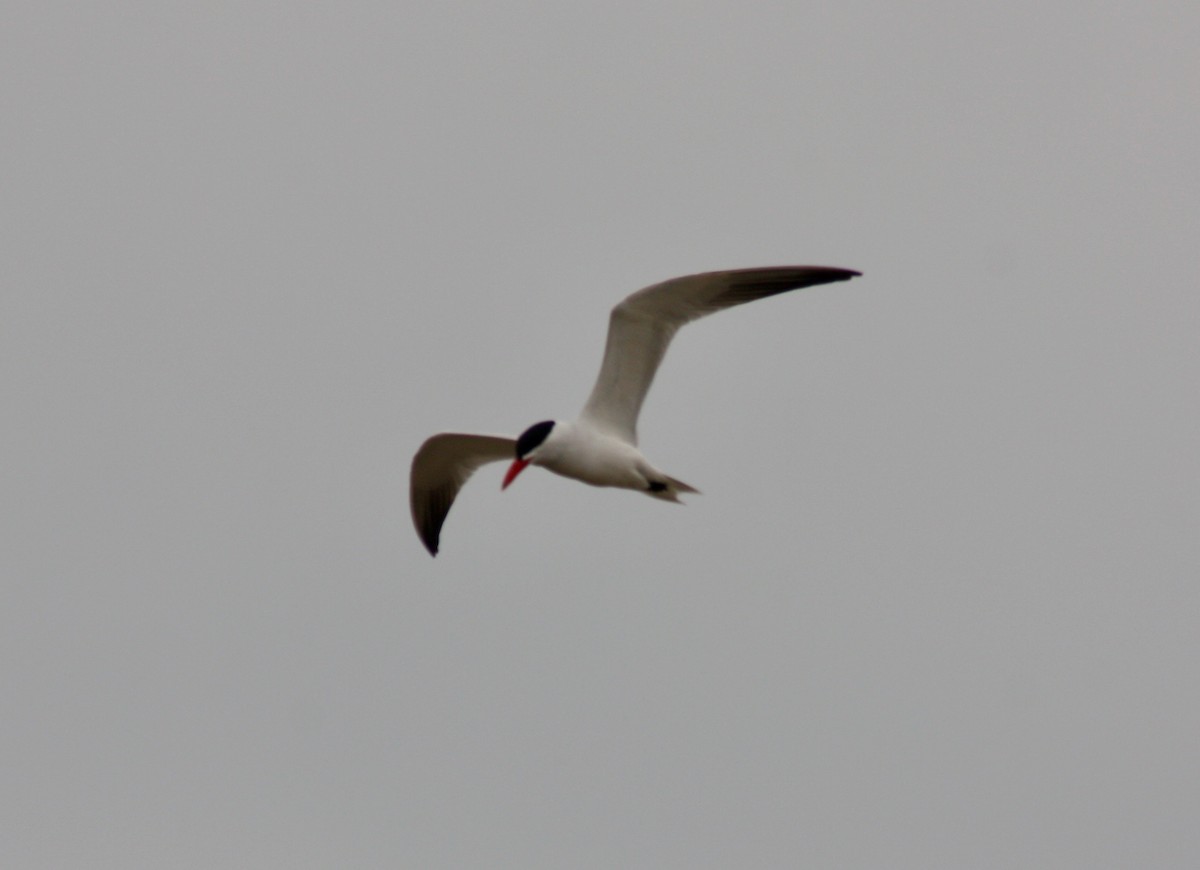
(747, 285)
(430, 540)
(830, 274)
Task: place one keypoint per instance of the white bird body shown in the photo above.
(586, 453)
(600, 448)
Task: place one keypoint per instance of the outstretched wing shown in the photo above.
(642, 325)
(440, 468)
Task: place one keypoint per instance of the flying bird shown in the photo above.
(600, 446)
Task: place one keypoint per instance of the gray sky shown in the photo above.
(938, 604)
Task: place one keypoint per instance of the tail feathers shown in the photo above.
(668, 489)
(680, 486)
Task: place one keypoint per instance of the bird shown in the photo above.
(599, 447)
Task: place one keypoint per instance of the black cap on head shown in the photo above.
(533, 437)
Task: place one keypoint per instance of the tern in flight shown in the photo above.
(600, 447)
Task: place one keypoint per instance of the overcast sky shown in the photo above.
(938, 604)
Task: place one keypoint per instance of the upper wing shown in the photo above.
(642, 325)
(440, 468)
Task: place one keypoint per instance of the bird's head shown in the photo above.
(528, 445)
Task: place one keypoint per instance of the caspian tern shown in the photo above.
(600, 447)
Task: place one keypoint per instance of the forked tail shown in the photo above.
(668, 489)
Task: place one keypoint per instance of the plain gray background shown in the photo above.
(938, 604)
